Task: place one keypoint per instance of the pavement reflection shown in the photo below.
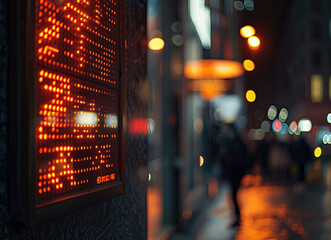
(271, 211)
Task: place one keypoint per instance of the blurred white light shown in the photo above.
(111, 121)
(86, 118)
(151, 126)
(326, 138)
(200, 15)
(265, 126)
(177, 40)
(283, 114)
(305, 125)
(227, 108)
(249, 5)
(256, 134)
(329, 118)
(321, 132)
(239, 5)
(198, 125)
(272, 112)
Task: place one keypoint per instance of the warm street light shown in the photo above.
(213, 69)
(156, 44)
(318, 152)
(254, 42)
(248, 65)
(250, 96)
(247, 31)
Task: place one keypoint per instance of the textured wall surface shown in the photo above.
(3, 109)
(123, 217)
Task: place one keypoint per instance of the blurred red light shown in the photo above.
(138, 126)
(277, 125)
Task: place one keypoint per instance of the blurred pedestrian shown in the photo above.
(302, 153)
(262, 155)
(279, 161)
(236, 159)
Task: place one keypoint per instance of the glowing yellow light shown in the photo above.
(254, 42)
(318, 152)
(247, 31)
(201, 161)
(316, 88)
(250, 96)
(149, 176)
(156, 44)
(248, 65)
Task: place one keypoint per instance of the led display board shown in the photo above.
(78, 100)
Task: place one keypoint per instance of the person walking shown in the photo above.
(236, 159)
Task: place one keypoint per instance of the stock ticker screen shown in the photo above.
(77, 65)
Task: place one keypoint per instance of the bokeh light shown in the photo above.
(293, 127)
(198, 125)
(277, 125)
(329, 118)
(249, 5)
(305, 125)
(249, 65)
(239, 5)
(149, 177)
(250, 96)
(201, 161)
(265, 126)
(247, 31)
(156, 44)
(283, 114)
(256, 134)
(327, 138)
(254, 42)
(318, 152)
(272, 112)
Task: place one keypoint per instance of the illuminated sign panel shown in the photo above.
(78, 127)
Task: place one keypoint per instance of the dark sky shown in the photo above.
(267, 19)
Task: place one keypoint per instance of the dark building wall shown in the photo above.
(123, 217)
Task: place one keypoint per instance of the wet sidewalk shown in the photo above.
(270, 211)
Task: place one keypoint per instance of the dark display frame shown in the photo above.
(25, 170)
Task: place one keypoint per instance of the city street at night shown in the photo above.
(165, 119)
